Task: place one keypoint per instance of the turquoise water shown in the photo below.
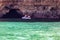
(29, 30)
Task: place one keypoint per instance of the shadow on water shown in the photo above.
(29, 20)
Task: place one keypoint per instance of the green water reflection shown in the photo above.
(29, 30)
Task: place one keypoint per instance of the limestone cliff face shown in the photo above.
(30, 6)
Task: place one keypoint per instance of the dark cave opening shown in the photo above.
(13, 14)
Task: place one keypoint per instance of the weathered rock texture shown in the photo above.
(37, 8)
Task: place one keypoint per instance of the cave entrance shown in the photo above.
(13, 13)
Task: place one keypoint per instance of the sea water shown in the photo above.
(29, 30)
